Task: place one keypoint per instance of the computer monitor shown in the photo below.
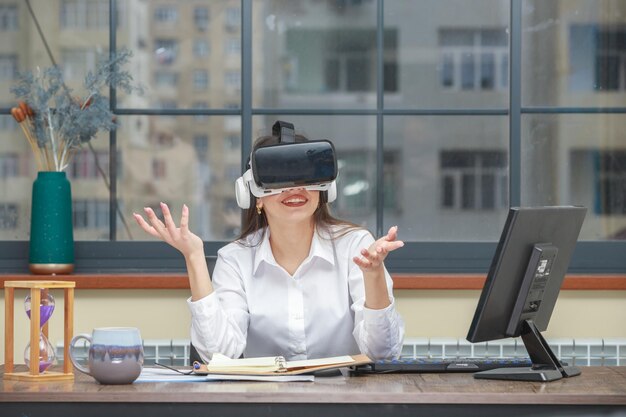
(523, 284)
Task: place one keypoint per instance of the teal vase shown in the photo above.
(51, 231)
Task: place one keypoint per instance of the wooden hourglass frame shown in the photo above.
(35, 329)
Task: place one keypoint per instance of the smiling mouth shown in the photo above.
(295, 201)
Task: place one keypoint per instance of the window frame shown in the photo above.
(416, 257)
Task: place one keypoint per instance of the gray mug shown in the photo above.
(115, 354)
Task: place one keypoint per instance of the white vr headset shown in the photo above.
(311, 165)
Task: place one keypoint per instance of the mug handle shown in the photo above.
(74, 361)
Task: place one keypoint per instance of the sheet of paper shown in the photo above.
(320, 362)
(166, 375)
(261, 378)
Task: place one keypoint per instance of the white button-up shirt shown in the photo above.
(259, 309)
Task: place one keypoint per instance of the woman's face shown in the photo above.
(292, 206)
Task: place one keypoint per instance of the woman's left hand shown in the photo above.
(371, 259)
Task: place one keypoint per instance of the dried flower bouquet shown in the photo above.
(55, 122)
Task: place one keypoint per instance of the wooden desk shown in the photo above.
(598, 391)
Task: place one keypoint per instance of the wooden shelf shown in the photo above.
(401, 281)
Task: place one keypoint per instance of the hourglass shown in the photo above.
(39, 353)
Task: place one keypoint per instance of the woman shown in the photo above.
(297, 282)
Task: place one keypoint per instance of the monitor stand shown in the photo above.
(546, 366)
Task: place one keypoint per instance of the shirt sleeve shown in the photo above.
(219, 321)
(378, 333)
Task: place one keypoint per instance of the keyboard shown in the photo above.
(410, 365)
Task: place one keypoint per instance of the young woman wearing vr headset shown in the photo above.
(298, 282)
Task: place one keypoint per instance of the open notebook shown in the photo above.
(274, 365)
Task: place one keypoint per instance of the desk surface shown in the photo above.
(341, 395)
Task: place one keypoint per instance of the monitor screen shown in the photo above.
(523, 284)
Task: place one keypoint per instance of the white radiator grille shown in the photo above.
(581, 352)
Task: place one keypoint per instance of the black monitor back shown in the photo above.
(525, 227)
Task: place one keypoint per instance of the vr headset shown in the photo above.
(272, 169)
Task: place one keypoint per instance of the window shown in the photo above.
(232, 79)
(9, 165)
(597, 57)
(85, 14)
(166, 14)
(427, 150)
(233, 46)
(201, 18)
(8, 216)
(473, 180)
(166, 78)
(200, 105)
(165, 51)
(8, 17)
(158, 168)
(356, 190)
(83, 164)
(77, 62)
(201, 48)
(8, 67)
(90, 214)
(610, 182)
(201, 145)
(200, 79)
(347, 57)
(232, 19)
(473, 59)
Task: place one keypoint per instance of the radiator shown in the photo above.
(581, 352)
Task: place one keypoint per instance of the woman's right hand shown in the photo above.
(180, 238)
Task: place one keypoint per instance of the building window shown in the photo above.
(232, 19)
(90, 214)
(8, 216)
(610, 182)
(231, 142)
(201, 48)
(201, 18)
(201, 145)
(233, 46)
(473, 180)
(83, 164)
(77, 62)
(85, 14)
(165, 51)
(166, 78)
(8, 17)
(158, 168)
(7, 123)
(597, 58)
(356, 192)
(200, 105)
(200, 79)
(166, 14)
(232, 79)
(8, 67)
(473, 59)
(348, 61)
(9, 165)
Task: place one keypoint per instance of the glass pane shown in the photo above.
(77, 33)
(184, 52)
(447, 53)
(354, 138)
(449, 179)
(574, 53)
(311, 54)
(580, 160)
(179, 160)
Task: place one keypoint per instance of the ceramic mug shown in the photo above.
(115, 354)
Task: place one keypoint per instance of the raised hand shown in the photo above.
(371, 259)
(180, 238)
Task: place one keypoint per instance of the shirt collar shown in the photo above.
(321, 247)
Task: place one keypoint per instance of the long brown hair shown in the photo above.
(322, 217)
